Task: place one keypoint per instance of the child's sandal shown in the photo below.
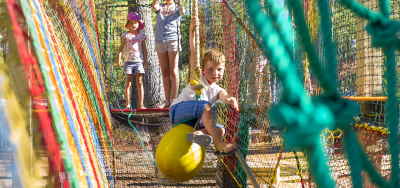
(201, 139)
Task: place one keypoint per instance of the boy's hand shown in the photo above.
(233, 102)
(196, 86)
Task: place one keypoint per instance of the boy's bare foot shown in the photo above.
(225, 147)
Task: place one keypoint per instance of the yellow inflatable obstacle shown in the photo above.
(177, 158)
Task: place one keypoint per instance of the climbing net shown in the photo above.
(290, 87)
(57, 65)
(256, 61)
(296, 110)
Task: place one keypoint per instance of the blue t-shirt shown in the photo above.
(168, 23)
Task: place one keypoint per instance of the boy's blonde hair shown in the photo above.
(214, 56)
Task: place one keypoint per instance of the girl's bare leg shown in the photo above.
(164, 66)
(128, 84)
(139, 90)
(174, 74)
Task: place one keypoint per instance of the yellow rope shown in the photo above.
(75, 156)
(230, 172)
(18, 118)
(380, 130)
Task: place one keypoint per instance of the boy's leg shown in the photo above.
(216, 133)
(189, 112)
(139, 90)
(128, 83)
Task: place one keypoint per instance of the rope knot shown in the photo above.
(302, 127)
(385, 33)
(344, 110)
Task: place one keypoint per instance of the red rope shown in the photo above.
(233, 81)
(93, 12)
(81, 52)
(75, 106)
(36, 90)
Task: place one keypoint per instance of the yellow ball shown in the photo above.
(177, 158)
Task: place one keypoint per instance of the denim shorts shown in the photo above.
(189, 112)
(133, 67)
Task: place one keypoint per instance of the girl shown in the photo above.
(131, 53)
(168, 45)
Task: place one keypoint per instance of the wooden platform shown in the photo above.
(145, 117)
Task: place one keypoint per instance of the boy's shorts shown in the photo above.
(133, 67)
(168, 46)
(188, 112)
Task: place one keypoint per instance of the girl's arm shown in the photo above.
(181, 8)
(156, 5)
(227, 99)
(119, 52)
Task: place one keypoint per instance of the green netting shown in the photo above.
(289, 64)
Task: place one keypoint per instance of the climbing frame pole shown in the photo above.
(194, 43)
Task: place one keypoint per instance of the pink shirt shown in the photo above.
(132, 50)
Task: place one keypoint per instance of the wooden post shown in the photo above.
(195, 41)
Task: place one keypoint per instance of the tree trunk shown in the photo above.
(153, 87)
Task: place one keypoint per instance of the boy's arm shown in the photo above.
(227, 99)
(156, 5)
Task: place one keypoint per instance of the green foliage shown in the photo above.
(3, 24)
(185, 53)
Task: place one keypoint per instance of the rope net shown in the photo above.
(283, 131)
(363, 74)
(59, 52)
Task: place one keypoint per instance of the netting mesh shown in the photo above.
(75, 49)
(62, 55)
(361, 74)
(250, 78)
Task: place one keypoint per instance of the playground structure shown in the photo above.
(68, 65)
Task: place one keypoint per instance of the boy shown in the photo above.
(190, 105)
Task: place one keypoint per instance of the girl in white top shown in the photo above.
(131, 53)
(195, 101)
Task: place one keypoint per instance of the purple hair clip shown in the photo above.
(134, 16)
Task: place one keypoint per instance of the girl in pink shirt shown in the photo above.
(131, 53)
